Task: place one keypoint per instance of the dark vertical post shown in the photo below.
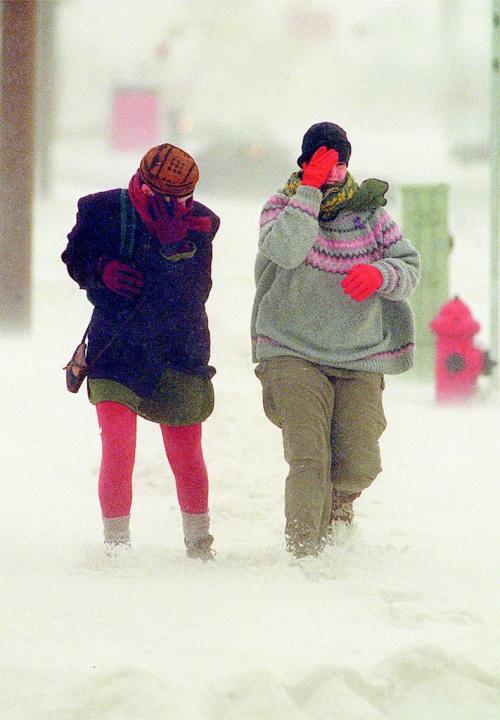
(16, 161)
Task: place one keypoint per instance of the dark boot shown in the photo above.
(342, 510)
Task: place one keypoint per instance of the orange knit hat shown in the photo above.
(168, 170)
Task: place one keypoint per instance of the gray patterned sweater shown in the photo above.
(300, 308)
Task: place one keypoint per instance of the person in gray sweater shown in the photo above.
(330, 318)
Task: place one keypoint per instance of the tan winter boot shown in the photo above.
(116, 535)
(200, 549)
(197, 538)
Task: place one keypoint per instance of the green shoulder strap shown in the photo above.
(127, 226)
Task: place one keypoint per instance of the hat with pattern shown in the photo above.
(168, 170)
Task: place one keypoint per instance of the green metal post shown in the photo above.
(425, 224)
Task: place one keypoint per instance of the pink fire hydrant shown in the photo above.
(458, 362)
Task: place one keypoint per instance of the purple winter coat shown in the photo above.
(132, 341)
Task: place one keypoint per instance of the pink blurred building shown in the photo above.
(135, 118)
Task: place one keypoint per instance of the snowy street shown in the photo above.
(402, 621)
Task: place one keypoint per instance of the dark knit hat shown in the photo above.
(168, 170)
(328, 134)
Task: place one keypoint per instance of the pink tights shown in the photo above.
(118, 426)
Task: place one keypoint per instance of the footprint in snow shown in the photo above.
(126, 695)
(413, 683)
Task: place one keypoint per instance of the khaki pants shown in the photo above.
(331, 422)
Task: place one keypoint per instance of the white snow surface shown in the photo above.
(400, 621)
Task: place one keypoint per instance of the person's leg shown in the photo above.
(117, 425)
(357, 424)
(299, 399)
(185, 455)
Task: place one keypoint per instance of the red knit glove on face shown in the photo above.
(318, 168)
(120, 278)
(362, 281)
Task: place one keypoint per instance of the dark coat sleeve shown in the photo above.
(82, 252)
(96, 233)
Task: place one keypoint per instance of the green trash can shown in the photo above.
(425, 224)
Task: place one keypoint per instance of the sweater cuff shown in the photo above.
(390, 278)
(309, 195)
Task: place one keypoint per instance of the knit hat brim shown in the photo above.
(328, 134)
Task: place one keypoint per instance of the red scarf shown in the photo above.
(170, 221)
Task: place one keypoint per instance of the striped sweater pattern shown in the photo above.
(300, 308)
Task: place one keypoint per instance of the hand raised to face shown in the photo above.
(316, 171)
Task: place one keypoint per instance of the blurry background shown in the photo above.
(404, 621)
(238, 83)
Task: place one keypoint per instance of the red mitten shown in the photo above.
(362, 281)
(120, 278)
(318, 168)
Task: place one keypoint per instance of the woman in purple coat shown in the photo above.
(144, 257)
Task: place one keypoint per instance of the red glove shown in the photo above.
(318, 168)
(120, 278)
(362, 281)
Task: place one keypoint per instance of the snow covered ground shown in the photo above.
(400, 622)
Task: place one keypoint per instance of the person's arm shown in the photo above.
(81, 255)
(400, 262)
(289, 226)
(87, 263)
(395, 275)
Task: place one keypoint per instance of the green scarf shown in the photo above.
(349, 196)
